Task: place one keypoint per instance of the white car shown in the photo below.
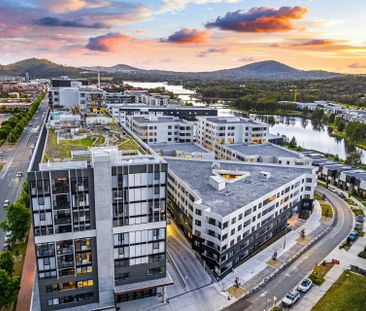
(291, 298)
(8, 236)
(19, 174)
(6, 203)
(305, 285)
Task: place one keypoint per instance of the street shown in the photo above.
(291, 276)
(17, 159)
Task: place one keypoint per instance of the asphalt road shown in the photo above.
(191, 270)
(17, 160)
(291, 277)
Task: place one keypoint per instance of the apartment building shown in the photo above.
(86, 98)
(156, 99)
(99, 221)
(160, 129)
(225, 220)
(120, 112)
(262, 153)
(215, 131)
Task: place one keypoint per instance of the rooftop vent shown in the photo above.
(266, 175)
(215, 165)
(216, 182)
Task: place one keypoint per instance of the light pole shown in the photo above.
(265, 295)
(284, 237)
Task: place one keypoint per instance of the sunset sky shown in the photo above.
(186, 35)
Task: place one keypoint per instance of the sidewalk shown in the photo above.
(254, 270)
(26, 283)
(346, 258)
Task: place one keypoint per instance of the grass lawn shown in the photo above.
(327, 210)
(318, 196)
(130, 144)
(276, 309)
(350, 202)
(348, 293)
(358, 212)
(2, 164)
(317, 276)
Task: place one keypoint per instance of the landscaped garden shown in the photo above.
(319, 272)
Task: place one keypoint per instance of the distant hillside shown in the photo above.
(261, 71)
(38, 68)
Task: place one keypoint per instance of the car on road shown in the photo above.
(8, 236)
(6, 203)
(291, 298)
(19, 174)
(342, 195)
(6, 247)
(332, 189)
(352, 236)
(360, 218)
(305, 285)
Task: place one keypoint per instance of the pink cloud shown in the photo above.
(108, 42)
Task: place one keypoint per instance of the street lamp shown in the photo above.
(265, 294)
(284, 237)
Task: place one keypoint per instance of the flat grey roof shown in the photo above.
(196, 173)
(231, 120)
(158, 119)
(359, 174)
(170, 149)
(266, 149)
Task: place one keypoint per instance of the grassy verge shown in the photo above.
(362, 255)
(276, 309)
(327, 210)
(319, 272)
(350, 202)
(347, 293)
(2, 164)
(358, 212)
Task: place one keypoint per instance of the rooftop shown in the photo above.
(171, 149)
(196, 174)
(62, 143)
(265, 149)
(233, 120)
(158, 119)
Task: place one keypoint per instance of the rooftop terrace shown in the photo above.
(64, 143)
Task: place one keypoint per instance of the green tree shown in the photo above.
(9, 287)
(293, 143)
(7, 262)
(331, 118)
(353, 158)
(340, 124)
(18, 220)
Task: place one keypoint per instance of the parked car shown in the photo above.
(291, 298)
(360, 218)
(332, 189)
(6, 203)
(358, 226)
(8, 236)
(305, 285)
(6, 247)
(342, 195)
(352, 236)
(19, 174)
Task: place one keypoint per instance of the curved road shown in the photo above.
(290, 277)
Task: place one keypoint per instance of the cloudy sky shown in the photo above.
(187, 35)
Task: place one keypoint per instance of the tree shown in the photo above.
(331, 118)
(293, 143)
(353, 158)
(9, 287)
(7, 262)
(18, 220)
(340, 124)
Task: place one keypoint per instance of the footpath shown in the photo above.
(346, 259)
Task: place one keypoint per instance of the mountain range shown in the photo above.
(262, 71)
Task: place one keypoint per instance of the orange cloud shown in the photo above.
(58, 6)
(187, 36)
(260, 19)
(107, 43)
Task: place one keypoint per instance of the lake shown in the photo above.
(308, 134)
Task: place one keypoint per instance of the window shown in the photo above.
(232, 231)
(42, 216)
(233, 221)
(197, 222)
(240, 216)
(122, 276)
(155, 245)
(198, 212)
(225, 225)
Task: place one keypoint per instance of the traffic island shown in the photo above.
(236, 292)
(319, 272)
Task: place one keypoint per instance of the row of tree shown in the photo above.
(12, 128)
(17, 222)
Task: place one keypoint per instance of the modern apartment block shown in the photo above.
(99, 220)
(120, 112)
(228, 209)
(215, 131)
(262, 153)
(160, 129)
